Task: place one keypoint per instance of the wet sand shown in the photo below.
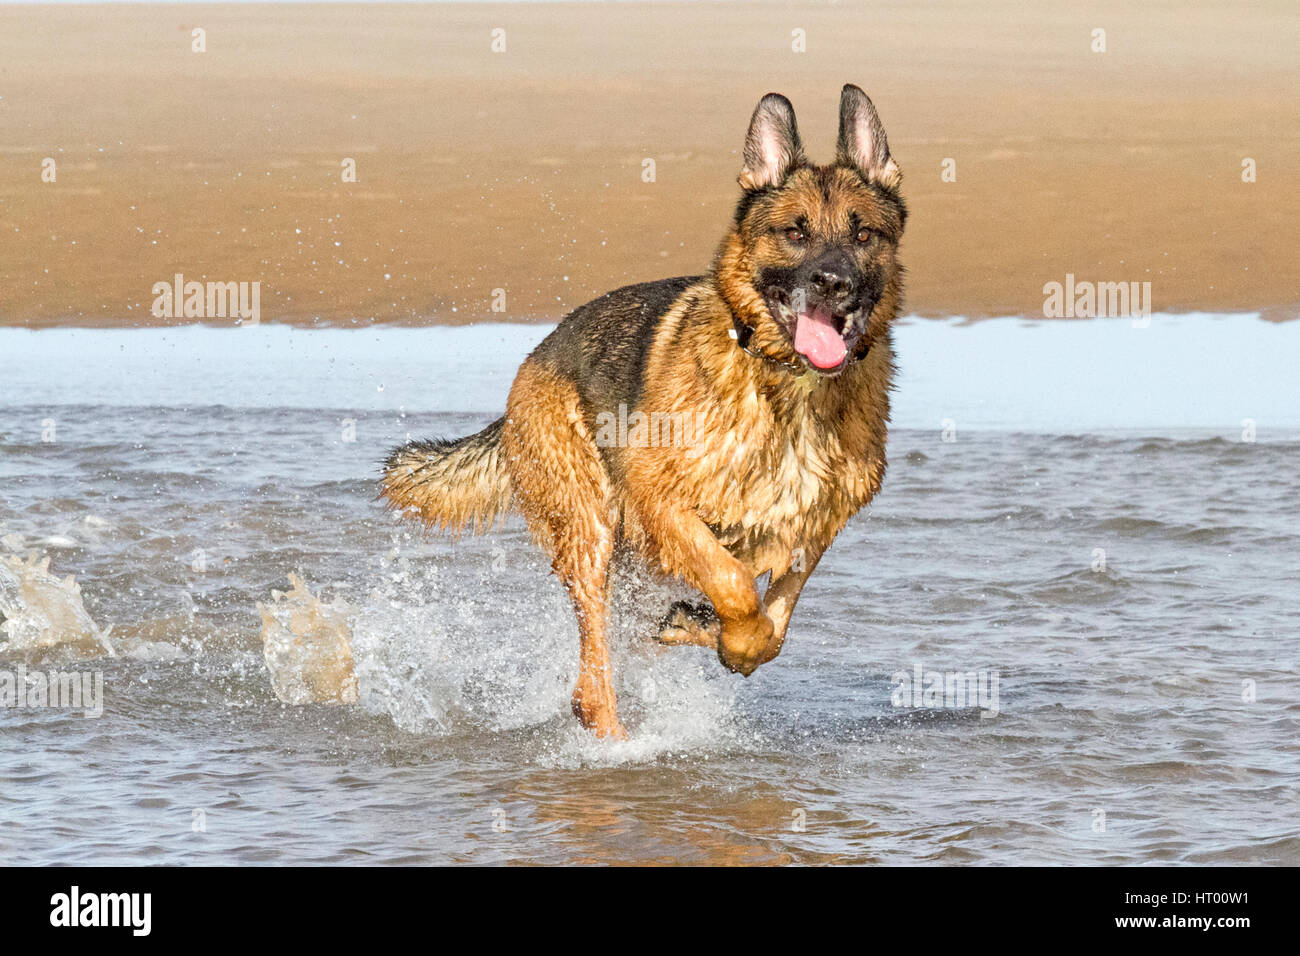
(522, 170)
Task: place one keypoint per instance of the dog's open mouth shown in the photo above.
(816, 331)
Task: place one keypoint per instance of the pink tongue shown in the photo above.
(815, 338)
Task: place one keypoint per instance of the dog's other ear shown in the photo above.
(862, 142)
(772, 147)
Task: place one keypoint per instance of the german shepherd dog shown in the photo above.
(782, 355)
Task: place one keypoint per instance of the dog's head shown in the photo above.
(810, 263)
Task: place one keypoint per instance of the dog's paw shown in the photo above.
(693, 624)
(743, 643)
(601, 719)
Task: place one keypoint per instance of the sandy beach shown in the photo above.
(522, 170)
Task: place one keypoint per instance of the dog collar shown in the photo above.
(742, 333)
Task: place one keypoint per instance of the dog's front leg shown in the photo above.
(781, 597)
(686, 547)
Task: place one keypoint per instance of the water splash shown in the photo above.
(306, 646)
(460, 651)
(39, 612)
(450, 646)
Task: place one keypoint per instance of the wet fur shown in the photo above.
(784, 456)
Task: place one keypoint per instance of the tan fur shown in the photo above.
(775, 475)
(450, 486)
(780, 459)
(564, 493)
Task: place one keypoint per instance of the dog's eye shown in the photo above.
(864, 234)
(793, 234)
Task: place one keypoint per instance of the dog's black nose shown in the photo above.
(831, 283)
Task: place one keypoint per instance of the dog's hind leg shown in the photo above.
(563, 490)
(594, 702)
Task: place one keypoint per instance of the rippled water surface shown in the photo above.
(1133, 592)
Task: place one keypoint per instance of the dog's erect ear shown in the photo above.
(862, 142)
(772, 147)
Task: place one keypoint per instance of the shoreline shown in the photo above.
(1069, 377)
(1277, 316)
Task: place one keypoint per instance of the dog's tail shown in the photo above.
(450, 484)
